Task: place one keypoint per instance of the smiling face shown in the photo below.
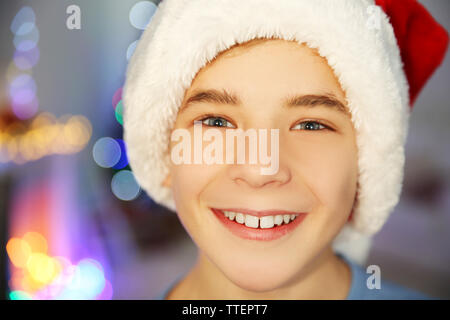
(273, 84)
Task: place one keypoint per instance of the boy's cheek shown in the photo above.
(329, 170)
(189, 183)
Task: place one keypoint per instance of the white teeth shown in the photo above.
(278, 219)
(266, 222)
(240, 218)
(251, 221)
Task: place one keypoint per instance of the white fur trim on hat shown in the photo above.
(184, 35)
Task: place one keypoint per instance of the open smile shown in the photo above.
(259, 225)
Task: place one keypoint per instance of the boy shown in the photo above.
(334, 89)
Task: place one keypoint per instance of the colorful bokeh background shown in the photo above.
(74, 224)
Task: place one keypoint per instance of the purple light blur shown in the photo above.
(22, 92)
(25, 111)
(28, 41)
(26, 59)
(23, 81)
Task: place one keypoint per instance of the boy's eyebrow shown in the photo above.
(226, 97)
(212, 96)
(311, 100)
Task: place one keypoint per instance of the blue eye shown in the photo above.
(310, 126)
(216, 122)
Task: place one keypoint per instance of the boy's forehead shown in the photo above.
(240, 48)
(276, 46)
(216, 71)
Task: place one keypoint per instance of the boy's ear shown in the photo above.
(168, 181)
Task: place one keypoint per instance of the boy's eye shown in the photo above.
(217, 122)
(310, 126)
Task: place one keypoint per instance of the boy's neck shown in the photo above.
(328, 277)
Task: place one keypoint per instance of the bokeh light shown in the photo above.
(92, 277)
(36, 241)
(19, 295)
(86, 281)
(141, 14)
(42, 268)
(13, 72)
(18, 251)
(44, 136)
(25, 42)
(25, 60)
(106, 152)
(123, 161)
(23, 22)
(131, 49)
(77, 132)
(23, 100)
(25, 110)
(107, 292)
(119, 112)
(39, 276)
(117, 97)
(22, 83)
(124, 185)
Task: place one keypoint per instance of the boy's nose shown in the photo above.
(250, 174)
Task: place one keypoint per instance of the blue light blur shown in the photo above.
(23, 22)
(141, 14)
(107, 152)
(123, 161)
(124, 185)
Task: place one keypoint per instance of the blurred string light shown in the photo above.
(117, 105)
(34, 272)
(131, 49)
(26, 41)
(37, 275)
(141, 14)
(25, 60)
(23, 22)
(119, 112)
(45, 135)
(124, 185)
(117, 97)
(123, 160)
(111, 153)
(22, 93)
(106, 152)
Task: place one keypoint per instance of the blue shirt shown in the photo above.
(358, 287)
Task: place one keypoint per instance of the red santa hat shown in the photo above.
(382, 53)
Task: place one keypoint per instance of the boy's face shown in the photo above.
(317, 170)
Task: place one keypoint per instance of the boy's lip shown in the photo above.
(244, 232)
(259, 213)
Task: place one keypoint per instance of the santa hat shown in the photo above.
(382, 53)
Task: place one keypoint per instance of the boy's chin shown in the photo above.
(261, 284)
(260, 280)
